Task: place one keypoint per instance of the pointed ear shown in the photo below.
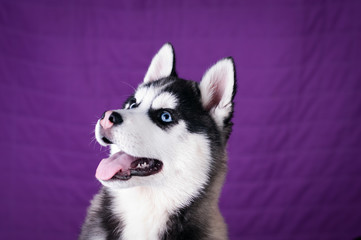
(162, 65)
(218, 87)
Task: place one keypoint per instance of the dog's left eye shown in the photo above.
(166, 117)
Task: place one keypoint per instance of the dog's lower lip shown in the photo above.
(106, 140)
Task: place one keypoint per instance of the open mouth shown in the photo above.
(142, 167)
(121, 166)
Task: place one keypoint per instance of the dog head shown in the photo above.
(171, 132)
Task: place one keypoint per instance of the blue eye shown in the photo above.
(166, 117)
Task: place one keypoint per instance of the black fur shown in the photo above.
(102, 216)
(184, 225)
(227, 121)
(155, 115)
(110, 223)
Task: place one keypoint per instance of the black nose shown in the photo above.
(115, 118)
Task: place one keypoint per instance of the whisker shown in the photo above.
(129, 85)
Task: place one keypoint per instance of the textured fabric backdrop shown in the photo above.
(295, 152)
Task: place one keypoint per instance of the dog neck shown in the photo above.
(144, 211)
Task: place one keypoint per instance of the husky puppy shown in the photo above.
(167, 159)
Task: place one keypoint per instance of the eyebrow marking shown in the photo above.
(165, 100)
(145, 95)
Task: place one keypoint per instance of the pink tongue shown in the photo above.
(108, 167)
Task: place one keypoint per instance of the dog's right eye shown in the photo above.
(132, 103)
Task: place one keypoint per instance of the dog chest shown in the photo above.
(142, 216)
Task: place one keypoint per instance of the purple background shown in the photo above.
(295, 152)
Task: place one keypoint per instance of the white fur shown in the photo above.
(185, 156)
(176, 147)
(218, 81)
(145, 95)
(160, 195)
(165, 100)
(161, 65)
(145, 203)
(97, 134)
(144, 216)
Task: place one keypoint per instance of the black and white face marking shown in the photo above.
(174, 99)
(163, 122)
(130, 103)
(173, 122)
(180, 128)
(162, 109)
(163, 118)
